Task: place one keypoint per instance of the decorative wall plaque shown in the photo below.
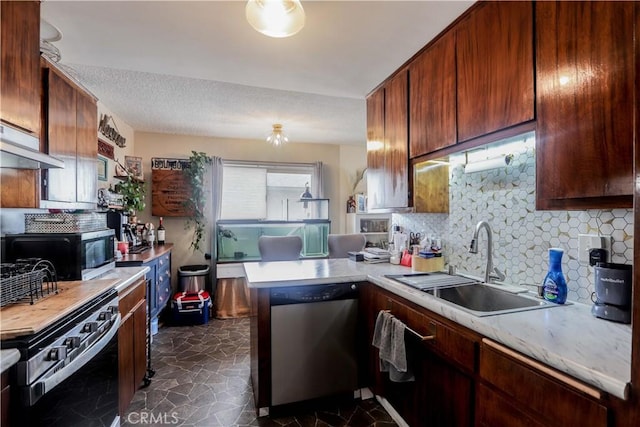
(169, 187)
(105, 149)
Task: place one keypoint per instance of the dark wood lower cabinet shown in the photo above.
(5, 399)
(441, 395)
(443, 391)
(132, 339)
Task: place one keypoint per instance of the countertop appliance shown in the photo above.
(75, 256)
(612, 292)
(313, 342)
(67, 374)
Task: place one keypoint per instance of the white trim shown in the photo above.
(392, 412)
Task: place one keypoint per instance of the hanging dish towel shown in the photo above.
(388, 337)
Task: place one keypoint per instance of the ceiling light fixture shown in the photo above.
(277, 136)
(275, 18)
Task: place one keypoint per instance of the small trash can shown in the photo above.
(193, 278)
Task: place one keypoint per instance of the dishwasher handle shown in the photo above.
(313, 293)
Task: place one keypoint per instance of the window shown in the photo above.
(259, 191)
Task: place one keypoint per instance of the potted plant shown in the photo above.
(198, 164)
(133, 191)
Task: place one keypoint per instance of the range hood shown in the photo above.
(20, 150)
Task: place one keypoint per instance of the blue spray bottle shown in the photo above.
(554, 285)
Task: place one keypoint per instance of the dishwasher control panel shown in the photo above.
(313, 293)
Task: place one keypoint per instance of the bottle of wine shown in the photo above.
(161, 233)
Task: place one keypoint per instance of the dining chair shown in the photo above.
(279, 248)
(341, 244)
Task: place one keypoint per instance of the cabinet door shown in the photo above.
(585, 86)
(442, 392)
(494, 410)
(87, 149)
(20, 61)
(375, 149)
(61, 138)
(494, 50)
(396, 148)
(126, 363)
(432, 98)
(140, 343)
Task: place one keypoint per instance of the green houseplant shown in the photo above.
(195, 174)
(133, 192)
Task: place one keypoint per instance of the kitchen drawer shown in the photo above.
(131, 296)
(448, 342)
(555, 398)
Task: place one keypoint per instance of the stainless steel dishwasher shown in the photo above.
(313, 341)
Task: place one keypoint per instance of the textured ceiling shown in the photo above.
(198, 68)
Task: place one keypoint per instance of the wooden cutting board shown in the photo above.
(22, 319)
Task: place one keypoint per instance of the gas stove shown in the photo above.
(53, 354)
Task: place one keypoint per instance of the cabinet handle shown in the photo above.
(432, 330)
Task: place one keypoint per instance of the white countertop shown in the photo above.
(8, 358)
(567, 338)
(126, 275)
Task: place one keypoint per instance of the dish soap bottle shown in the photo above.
(554, 287)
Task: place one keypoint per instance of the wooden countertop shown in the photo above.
(24, 319)
(146, 256)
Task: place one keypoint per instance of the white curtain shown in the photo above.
(318, 187)
(216, 203)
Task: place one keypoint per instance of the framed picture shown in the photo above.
(134, 166)
(103, 166)
(361, 203)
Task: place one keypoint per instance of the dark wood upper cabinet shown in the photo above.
(494, 56)
(432, 97)
(61, 137)
(20, 91)
(71, 117)
(87, 149)
(396, 134)
(20, 67)
(585, 104)
(387, 145)
(375, 148)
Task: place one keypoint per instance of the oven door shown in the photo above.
(83, 393)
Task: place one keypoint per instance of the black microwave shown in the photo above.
(75, 256)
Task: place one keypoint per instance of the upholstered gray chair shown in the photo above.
(279, 248)
(341, 244)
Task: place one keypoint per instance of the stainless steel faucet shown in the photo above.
(491, 273)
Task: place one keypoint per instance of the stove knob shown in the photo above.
(72, 342)
(90, 327)
(104, 315)
(57, 353)
(112, 309)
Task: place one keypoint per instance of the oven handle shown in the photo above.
(42, 387)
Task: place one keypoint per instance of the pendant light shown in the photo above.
(277, 136)
(275, 18)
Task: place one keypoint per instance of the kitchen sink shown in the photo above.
(471, 295)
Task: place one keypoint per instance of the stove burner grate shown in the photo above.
(27, 280)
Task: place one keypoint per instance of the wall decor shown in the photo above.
(105, 149)
(170, 188)
(109, 132)
(134, 166)
(103, 167)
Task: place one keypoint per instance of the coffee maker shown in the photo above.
(119, 221)
(612, 296)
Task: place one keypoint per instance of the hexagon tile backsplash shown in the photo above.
(505, 198)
